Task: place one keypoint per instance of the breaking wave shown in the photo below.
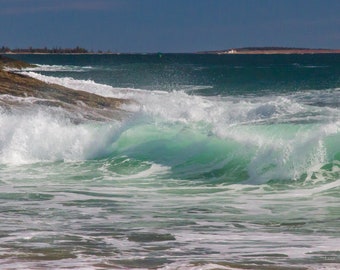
(222, 140)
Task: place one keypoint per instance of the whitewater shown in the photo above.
(224, 162)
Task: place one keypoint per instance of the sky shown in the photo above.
(169, 25)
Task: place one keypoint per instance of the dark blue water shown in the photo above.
(225, 74)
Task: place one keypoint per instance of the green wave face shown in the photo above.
(245, 154)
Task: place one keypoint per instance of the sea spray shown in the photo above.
(43, 135)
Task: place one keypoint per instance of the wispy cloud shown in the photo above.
(37, 6)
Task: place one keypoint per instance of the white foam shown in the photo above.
(41, 136)
(189, 87)
(83, 85)
(153, 170)
(92, 87)
(180, 106)
(58, 68)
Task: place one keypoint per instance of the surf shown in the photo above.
(217, 139)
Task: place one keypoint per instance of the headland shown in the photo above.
(272, 50)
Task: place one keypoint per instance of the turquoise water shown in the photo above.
(225, 162)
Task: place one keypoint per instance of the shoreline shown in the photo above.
(258, 51)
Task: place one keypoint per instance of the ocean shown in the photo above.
(222, 162)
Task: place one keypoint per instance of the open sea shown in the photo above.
(224, 162)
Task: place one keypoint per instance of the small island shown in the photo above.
(86, 105)
(271, 50)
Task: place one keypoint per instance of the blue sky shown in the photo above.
(169, 25)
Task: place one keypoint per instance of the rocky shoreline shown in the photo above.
(20, 91)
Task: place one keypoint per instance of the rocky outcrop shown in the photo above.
(83, 104)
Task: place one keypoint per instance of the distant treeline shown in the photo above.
(5, 49)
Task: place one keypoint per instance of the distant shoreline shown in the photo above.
(245, 50)
(269, 52)
(38, 53)
(273, 50)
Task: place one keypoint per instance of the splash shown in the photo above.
(43, 135)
